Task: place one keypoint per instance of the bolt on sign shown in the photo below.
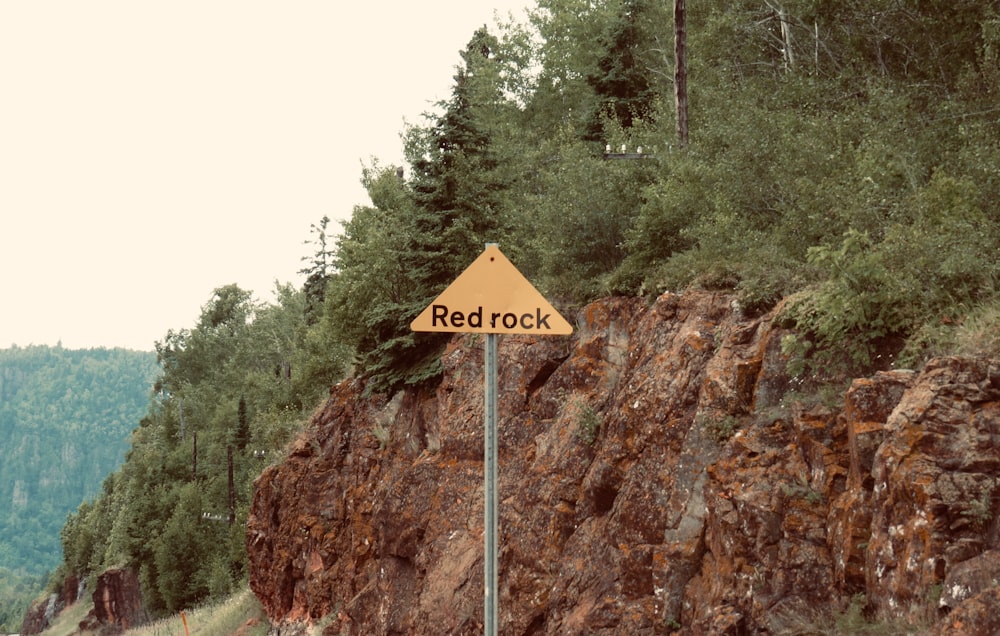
(491, 296)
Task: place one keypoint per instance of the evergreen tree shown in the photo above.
(371, 291)
(621, 81)
(318, 272)
(395, 257)
(456, 186)
(243, 425)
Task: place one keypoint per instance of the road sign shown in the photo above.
(491, 296)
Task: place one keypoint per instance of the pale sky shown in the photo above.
(153, 151)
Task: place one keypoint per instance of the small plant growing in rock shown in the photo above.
(803, 490)
(934, 593)
(853, 620)
(827, 393)
(721, 429)
(980, 511)
(830, 621)
(588, 424)
(382, 433)
(773, 413)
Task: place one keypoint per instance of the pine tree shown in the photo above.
(395, 257)
(622, 83)
(242, 425)
(318, 272)
(455, 183)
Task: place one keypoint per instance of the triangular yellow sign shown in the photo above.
(491, 296)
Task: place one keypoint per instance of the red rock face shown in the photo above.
(655, 476)
(41, 612)
(117, 603)
(39, 615)
(935, 492)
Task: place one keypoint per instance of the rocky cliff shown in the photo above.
(660, 471)
(117, 605)
(42, 611)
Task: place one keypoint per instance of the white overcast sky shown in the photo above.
(153, 151)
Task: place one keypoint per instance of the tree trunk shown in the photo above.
(788, 47)
(232, 488)
(680, 71)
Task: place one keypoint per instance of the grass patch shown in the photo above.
(980, 331)
(382, 433)
(68, 621)
(218, 619)
(980, 510)
(975, 333)
(802, 619)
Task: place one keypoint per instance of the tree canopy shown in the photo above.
(820, 136)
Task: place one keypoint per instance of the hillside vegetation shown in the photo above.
(845, 156)
(65, 418)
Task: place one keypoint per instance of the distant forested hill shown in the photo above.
(65, 420)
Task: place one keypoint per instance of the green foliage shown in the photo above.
(17, 590)
(802, 490)
(922, 271)
(978, 332)
(980, 509)
(583, 210)
(621, 81)
(383, 433)
(395, 256)
(228, 385)
(562, 98)
(318, 271)
(374, 295)
(857, 307)
(823, 157)
(721, 428)
(588, 424)
(181, 551)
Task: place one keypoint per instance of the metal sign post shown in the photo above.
(491, 297)
(490, 579)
